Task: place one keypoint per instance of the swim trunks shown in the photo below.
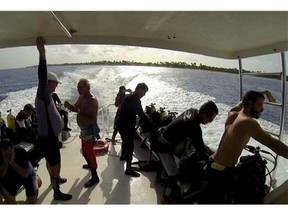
(89, 132)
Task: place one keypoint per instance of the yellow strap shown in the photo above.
(217, 166)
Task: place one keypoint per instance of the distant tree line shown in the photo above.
(160, 64)
(174, 65)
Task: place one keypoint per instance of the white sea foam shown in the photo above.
(105, 82)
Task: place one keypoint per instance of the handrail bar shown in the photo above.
(108, 117)
(101, 111)
(274, 104)
(274, 134)
(261, 74)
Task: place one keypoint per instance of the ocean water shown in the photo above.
(172, 88)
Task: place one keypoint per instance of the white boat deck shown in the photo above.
(114, 187)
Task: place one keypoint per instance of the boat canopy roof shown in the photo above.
(223, 34)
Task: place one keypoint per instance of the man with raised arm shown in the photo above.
(240, 126)
(49, 122)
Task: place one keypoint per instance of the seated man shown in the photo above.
(24, 127)
(240, 126)
(61, 111)
(26, 131)
(15, 171)
(171, 140)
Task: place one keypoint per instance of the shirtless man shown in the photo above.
(240, 126)
(24, 129)
(87, 109)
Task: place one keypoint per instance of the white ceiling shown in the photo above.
(213, 33)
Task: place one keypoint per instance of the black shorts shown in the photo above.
(50, 150)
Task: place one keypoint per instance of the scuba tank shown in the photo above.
(153, 108)
(11, 121)
(150, 110)
(163, 113)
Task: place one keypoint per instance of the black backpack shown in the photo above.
(250, 180)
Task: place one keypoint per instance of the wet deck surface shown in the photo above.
(114, 187)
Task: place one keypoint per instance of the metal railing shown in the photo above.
(101, 121)
(282, 105)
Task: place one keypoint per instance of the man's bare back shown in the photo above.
(240, 126)
(233, 140)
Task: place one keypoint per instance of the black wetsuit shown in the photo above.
(61, 111)
(186, 125)
(24, 129)
(183, 127)
(48, 118)
(218, 185)
(127, 122)
(121, 95)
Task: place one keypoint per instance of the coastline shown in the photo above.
(183, 65)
